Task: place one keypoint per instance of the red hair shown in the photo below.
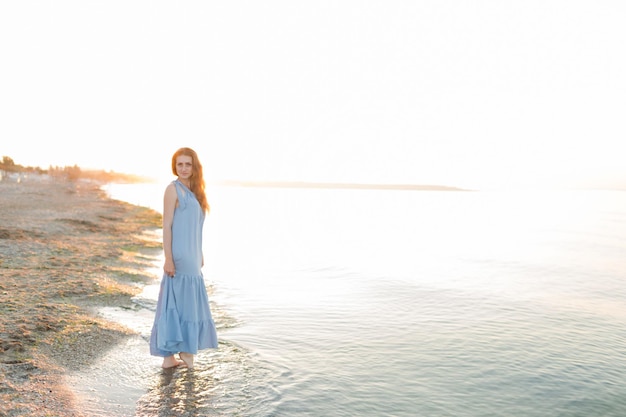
(196, 181)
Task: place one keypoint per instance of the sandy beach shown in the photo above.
(65, 250)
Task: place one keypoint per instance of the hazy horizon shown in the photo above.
(125, 177)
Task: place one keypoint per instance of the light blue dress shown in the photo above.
(183, 321)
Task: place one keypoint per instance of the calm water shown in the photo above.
(403, 303)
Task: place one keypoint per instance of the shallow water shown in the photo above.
(396, 303)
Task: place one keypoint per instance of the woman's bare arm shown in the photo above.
(169, 205)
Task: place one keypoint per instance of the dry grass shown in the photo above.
(64, 248)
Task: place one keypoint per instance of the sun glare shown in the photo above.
(492, 95)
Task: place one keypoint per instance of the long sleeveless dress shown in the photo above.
(183, 321)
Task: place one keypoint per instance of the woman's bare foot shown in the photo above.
(171, 362)
(187, 359)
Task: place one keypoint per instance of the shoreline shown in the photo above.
(66, 250)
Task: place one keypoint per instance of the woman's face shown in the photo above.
(184, 166)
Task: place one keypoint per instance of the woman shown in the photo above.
(183, 323)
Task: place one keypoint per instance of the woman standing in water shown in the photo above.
(183, 323)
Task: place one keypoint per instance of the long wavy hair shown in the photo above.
(196, 181)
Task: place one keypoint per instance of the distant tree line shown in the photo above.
(72, 173)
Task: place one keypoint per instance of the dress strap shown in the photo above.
(181, 193)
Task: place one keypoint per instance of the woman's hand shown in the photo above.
(169, 268)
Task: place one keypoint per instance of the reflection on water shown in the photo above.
(127, 381)
(225, 382)
(332, 303)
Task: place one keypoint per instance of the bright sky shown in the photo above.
(479, 93)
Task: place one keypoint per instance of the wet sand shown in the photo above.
(66, 251)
